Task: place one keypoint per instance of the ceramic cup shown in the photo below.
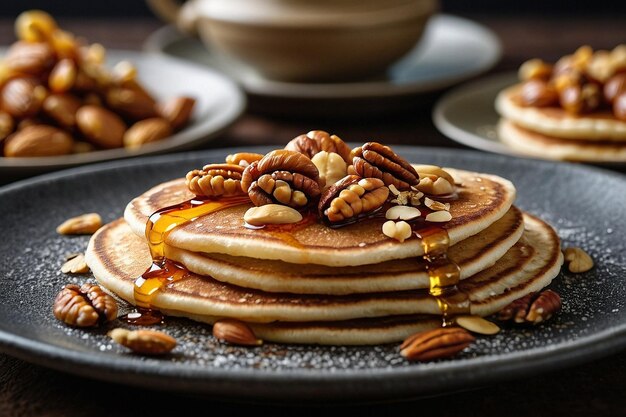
(304, 40)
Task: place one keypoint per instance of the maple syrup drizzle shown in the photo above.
(164, 271)
(443, 273)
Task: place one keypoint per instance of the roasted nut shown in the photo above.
(403, 198)
(64, 44)
(433, 172)
(146, 131)
(538, 93)
(124, 72)
(402, 213)
(84, 224)
(75, 265)
(531, 308)
(63, 76)
(619, 107)
(84, 306)
(399, 231)
(435, 344)
(578, 260)
(34, 26)
(567, 79)
(145, 342)
(600, 68)
(84, 83)
(177, 111)
(436, 205)
(614, 87)
(29, 58)
(82, 147)
(477, 324)
(235, 332)
(352, 196)
(133, 103)
(38, 140)
(7, 125)
(439, 216)
(373, 160)
(298, 176)
(243, 158)
(62, 109)
(101, 126)
(271, 214)
(331, 167)
(216, 180)
(22, 97)
(435, 186)
(316, 141)
(535, 69)
(94, 54)
(580, 99)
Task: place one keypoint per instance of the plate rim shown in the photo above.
(225, 118)
(128, 370)
(362, 89)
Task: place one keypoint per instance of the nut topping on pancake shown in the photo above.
(331, 166)
(373, 160)
(216, 180)
(351, 197)
(283, 177)
(243, 158)
(317, 141)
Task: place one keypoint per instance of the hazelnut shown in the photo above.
(580, 99)
(538, 93)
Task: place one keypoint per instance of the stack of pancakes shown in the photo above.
(553, 133)
(309, 283)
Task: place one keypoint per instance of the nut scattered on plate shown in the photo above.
(58, 97)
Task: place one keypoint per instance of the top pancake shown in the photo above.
(482, 200)
(556, 122)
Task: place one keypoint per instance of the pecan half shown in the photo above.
(379, 161)
(316, 141)
(84, 306)
(283, 177)
(436, 344)
(532, 308)
(216, 180)
(351, 197)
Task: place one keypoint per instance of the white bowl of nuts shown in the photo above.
(65, 103)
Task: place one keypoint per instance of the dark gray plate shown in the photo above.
(585, 204)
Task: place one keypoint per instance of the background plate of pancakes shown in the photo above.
(584, 205)
(468, 115)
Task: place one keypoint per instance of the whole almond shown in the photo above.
(85, 224)
(38, 140)
(7, 125)
(22, 97)
(235, 332)
(146, 131)
(146, 342)
(132, 103)
(101, 126)
(177, 111)
(63, 76)
(62, 109)
(32, 58)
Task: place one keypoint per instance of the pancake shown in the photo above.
(482, 200)
(547, 147)
(472, 255)
(116, 256)
(556, 122)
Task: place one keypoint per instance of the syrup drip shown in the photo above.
(163, 271)
(443, 273)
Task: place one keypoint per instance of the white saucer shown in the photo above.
(467, 115)
(452, 50)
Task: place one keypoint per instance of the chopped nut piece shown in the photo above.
(243, 158)
(75, 265)
(145, 342)
(477, 324)
(439, 216)
(436, 205)
(436, 344)
(331, 166)
(435, 186)
(402, 213)
(578, 260)
(433, 170)
(271, 214)
(533, 308)
(235, 332)
(399, 231)
(85, 224)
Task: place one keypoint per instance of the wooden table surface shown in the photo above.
(595, 388)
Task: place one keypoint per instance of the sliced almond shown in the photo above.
(402, 213)
(85, 224)
(271, 214)
(436, 205)
(439, 217)
(477, 324)
(399, 231)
